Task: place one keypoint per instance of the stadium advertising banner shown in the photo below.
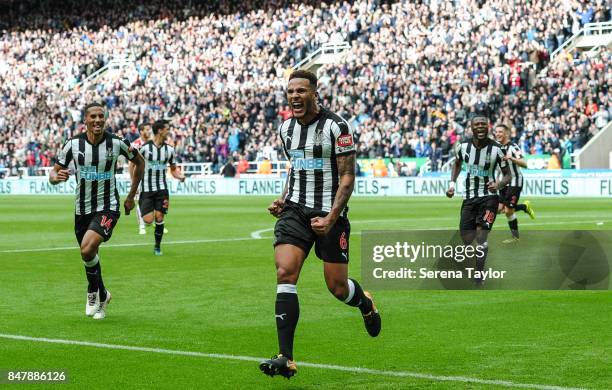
(547, 183)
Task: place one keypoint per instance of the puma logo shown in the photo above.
(281, 316)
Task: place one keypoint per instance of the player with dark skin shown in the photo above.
(300, 225)
(95, 120)
(480, 130)
(288, 258)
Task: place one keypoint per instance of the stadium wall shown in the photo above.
(564, 183)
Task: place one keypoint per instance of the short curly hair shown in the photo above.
(304, 74)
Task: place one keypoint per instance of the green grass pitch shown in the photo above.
(216, 296)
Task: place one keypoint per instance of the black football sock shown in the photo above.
(357, 298)
(101, 286)
(513, 223)
(481, 256)
(287, 315)
(92, 273)
(159, 233)
(520, 207)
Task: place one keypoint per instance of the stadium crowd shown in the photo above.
(216, 70)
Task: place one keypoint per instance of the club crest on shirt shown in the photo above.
(317, 139)
(109, 154)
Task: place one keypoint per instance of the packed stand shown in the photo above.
(217, 71)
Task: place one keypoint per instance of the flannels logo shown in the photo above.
(90, 173)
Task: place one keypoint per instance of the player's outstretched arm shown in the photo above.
(520, 162)
(131, 168)
(138, 173)
(516, 156)
(454, 175)
(58, 174)
(346, 171)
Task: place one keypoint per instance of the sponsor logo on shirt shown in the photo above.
(90, 173)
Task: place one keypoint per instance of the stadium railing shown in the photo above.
(117, 64)
(591, 35)
(328, 53)
(597, 152)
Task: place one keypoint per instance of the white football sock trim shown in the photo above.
(286, 288)
(351, 293)
(93, 261)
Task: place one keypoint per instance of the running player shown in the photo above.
(481, 156)
(510, 194)
(144, 130)
(154, 195)
(94, 156)
(313, 211)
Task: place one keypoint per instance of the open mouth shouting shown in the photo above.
(298, 108)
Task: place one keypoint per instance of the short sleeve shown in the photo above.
(171, 159)
(127, 150)
(343, 135)
(457, 151)
(65, 155)
(516, 152)
(280, 135)
(500, 158)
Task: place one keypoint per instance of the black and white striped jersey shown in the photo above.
(479, 165)
(95, 170)
(513, 150)
(157, 160)
(312, 150)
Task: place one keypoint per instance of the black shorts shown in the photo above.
(478, 212)
(293, 227)
(101, 222)
(510, 196)
(154, 200)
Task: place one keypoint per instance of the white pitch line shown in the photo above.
(355, 370)
(62, 248)
(256, 235)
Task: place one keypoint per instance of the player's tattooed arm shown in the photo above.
(58, 174)
(346, 171)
